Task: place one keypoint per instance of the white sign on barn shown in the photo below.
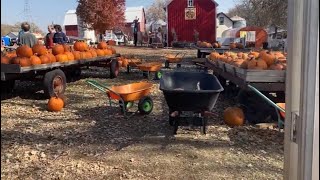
(251, 36)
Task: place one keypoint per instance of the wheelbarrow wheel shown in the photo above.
(127, 105)
(157, 75)
(178, 65)
(145, 105)
(204, 125)
(166, 64)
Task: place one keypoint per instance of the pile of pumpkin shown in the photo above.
(39, 54)
(204, 44)
(263, 60)
(236, 46)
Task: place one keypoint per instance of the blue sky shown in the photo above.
(45, 12)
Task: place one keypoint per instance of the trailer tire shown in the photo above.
(114, 68)
(54, 82)
(7, 86)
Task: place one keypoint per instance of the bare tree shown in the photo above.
(6, 28)
(262, 13)
(156, 11)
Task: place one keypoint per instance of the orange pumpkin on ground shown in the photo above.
(35, 60)
(39, 49)
(62, 58)
(24, 51)
(57, 49)
(45, 59)
(55, 104)
(233, 116)
(254, 54)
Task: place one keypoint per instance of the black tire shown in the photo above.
(7, 86)
(178, 65)
(157, 75)
(54, 82)
(114, 68)
(204, 125)
(145, 74)
(128, 105)
(128, 69)
(166, 64)
(145, 105)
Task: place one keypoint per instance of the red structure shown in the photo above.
(71, 30)
(186, 16)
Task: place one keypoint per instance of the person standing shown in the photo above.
(135, 30)
(49, 37)
(59, 37)
(27, 38)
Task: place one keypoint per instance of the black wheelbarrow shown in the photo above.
(190, 91)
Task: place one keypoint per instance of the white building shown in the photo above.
(224, 23)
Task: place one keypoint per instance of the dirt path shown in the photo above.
(90, 140)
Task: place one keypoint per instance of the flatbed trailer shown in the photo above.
(54, 75)
(203, 52)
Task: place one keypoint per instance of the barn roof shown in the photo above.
(168, 2)
(132, 12)
(224, 15)
(70, 18)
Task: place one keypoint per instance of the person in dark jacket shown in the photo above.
(59, 37)
(49, 37)
(27, 38)
(135, 30)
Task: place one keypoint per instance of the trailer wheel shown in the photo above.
(54, 82)
(145, 105)
(114, 68)
(204, 125)
(166, 64)
(7, 86)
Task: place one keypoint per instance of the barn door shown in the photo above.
(302, 92)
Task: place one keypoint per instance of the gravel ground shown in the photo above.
(90, 140)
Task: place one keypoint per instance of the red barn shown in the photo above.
(187, 16)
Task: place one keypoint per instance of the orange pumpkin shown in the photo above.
(76, 55)
(239, 46)
(5, 60)
(93, 53)
(62, 58)
(113, 50)
(102, 45)
(83, 55)
(57, 49)
(269, 58)
(15, 60)
(66, 48)
(257, 64)
(70, 56)
(39, 49)
(254, 54)
(88, 55)
(44, 59)
(24, 62)
(55, 104)
(51, 57)
(100, 52)
(277, 66)
(244, 56)
(35, 60)
(214, 55)
(233, 116)
(233, 45)
(107, 52)
(80, 46)
(24, 51)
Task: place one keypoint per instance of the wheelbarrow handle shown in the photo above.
(266, 98)
(102, 87)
